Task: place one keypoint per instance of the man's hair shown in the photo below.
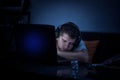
(71, 29)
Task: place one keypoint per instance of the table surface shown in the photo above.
(65, 71)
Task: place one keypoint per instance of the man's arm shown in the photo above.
(81, 55)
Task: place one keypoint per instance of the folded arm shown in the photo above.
(81, 55)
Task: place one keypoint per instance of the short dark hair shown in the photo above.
(71, 29)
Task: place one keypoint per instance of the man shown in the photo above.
(70, 44)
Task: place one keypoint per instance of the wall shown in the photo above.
(89, 15)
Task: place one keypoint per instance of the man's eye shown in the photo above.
(64, 40)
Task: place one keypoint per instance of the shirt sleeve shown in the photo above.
(81, 46)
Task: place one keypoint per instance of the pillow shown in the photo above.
(91, 46)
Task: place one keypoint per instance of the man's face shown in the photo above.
(65, 42)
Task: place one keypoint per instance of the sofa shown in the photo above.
(101, 46)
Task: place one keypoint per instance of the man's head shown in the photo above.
(67, 36)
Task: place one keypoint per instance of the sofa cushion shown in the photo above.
(91, 46)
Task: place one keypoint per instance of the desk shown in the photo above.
(65, 73)
(10, 70)
(54, 72)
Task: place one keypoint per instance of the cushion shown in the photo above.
(91, 46)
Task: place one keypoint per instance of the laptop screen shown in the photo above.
(36, 44)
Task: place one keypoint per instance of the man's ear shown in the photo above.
(76, 43)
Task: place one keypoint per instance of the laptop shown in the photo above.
(35, 44)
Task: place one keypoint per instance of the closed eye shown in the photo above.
(64, 40)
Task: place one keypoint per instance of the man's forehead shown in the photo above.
(67, 37)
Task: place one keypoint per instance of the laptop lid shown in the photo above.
(36, 44)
